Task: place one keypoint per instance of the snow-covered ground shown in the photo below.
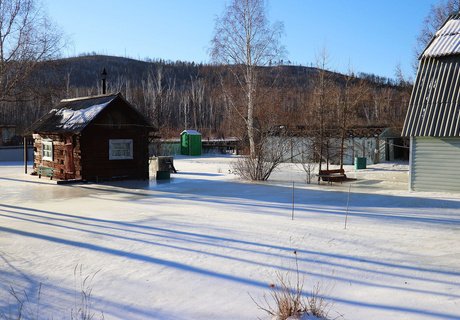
(200, 246)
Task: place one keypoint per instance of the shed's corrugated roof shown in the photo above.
(446, 41)
(73, 115)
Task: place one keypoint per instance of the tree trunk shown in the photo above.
(250, 123)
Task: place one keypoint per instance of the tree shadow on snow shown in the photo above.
(326, 202)
(208, 272)
(264, 199)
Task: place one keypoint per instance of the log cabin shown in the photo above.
(92, 138)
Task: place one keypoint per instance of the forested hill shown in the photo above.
(178, 95)
(85, 71)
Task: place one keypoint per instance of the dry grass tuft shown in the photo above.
(83, 304)
(24, 305)
(28, 307)
(288, 300)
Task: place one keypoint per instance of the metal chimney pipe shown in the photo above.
(104, 84)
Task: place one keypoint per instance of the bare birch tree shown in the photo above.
(26, 37)
(322, 107)
(244, 40)
(354, 90)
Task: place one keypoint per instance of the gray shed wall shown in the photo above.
(16, 153)
(435, 164)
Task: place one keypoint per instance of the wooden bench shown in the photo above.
(337, 175)
(45, 171)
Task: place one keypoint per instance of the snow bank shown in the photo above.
(200, 246)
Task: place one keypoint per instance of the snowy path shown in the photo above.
(200, 246)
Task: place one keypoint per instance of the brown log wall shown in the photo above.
(58, 164)
(95, 154)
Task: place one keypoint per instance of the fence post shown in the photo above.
(25, 154)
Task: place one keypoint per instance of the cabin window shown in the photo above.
(120, 149)
(47, 147)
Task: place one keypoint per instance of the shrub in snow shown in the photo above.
(288, 300)
(269, 155)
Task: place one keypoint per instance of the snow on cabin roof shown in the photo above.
(446, 40)
(191, 132)
(73, 115)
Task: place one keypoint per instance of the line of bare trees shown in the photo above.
(245, 93)
(197, 100)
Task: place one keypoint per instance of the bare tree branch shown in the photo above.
(26, 37)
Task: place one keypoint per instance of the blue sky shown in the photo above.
(371, 36)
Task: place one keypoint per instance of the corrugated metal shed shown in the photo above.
(433, 116)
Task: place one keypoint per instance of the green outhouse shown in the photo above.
(190, 143)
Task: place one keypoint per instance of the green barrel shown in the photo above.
(163, 175)
(360, 163)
